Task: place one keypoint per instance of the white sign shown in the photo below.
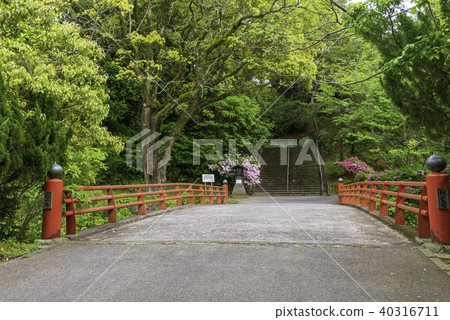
(238, 181)
(207, 178)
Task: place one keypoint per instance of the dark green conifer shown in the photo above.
(30, 141)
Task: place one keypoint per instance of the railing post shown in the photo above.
(354, 198)
(112, 215)
(399, 215)
(340, 186)
(372, 194)
(71, 221)
(225, 189)
(384, 208)
(357, 199)
(423, 223)
(211, 194)
(53, 199)
(179, 200)
(217, 191)
(162, 203)
(438, 200)
(348, 194)
(191, 192)
(363, 201)
(141, 207)
(202, 194)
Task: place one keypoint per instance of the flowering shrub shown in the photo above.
(398, 175)
(354, 166)
(251, 168)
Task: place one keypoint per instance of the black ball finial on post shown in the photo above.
(436, 163)
(56, 171)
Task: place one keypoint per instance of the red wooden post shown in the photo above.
(112, 216)
(141, 207)
(225, 191)
(438, 207)
(71, 221)
(347, 194)
(340, 190)
(162, 195)
(384, 211)
(53, 198)
(202, 194)
(357, 199)
(192, 198)
(211, 195)
(346, 198)
(218, 192)
(423, 224)
(179, 200)
(372, 195)
(354, 198)
(399, 213)
(363, 202)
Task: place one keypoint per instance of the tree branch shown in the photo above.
(347, 84)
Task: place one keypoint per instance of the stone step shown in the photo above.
(303, 179)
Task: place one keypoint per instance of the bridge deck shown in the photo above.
(282, 249)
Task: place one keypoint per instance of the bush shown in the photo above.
(354, 166)
(362, 176)
(403, 174)
(30, 140)
(333, 170)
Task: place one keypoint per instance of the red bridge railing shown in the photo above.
(368, 194)
(134, 195)
(431, 205)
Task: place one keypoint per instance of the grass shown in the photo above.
(10, 249)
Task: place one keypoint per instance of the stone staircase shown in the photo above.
(301, 180)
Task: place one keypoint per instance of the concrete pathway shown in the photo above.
(282, 249)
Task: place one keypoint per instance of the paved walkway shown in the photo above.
(291, 249)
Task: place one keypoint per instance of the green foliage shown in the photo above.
(89, 220)
(333, 170)
(362, 176)
(123, 121)
(231, 120)
(359, 119)
(30, 141)
(415, 173)
(186, 55)
(45, 56)
(10, 249)
(415, 53)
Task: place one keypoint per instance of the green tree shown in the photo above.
(231, 120)
(186, 55)
(30, 140)
(357, 117)
(44, 55)
(415, 51)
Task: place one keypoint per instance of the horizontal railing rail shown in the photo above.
(369, 193)
(139, 195)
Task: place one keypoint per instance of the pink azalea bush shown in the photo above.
(354, 166)
(252, 168)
